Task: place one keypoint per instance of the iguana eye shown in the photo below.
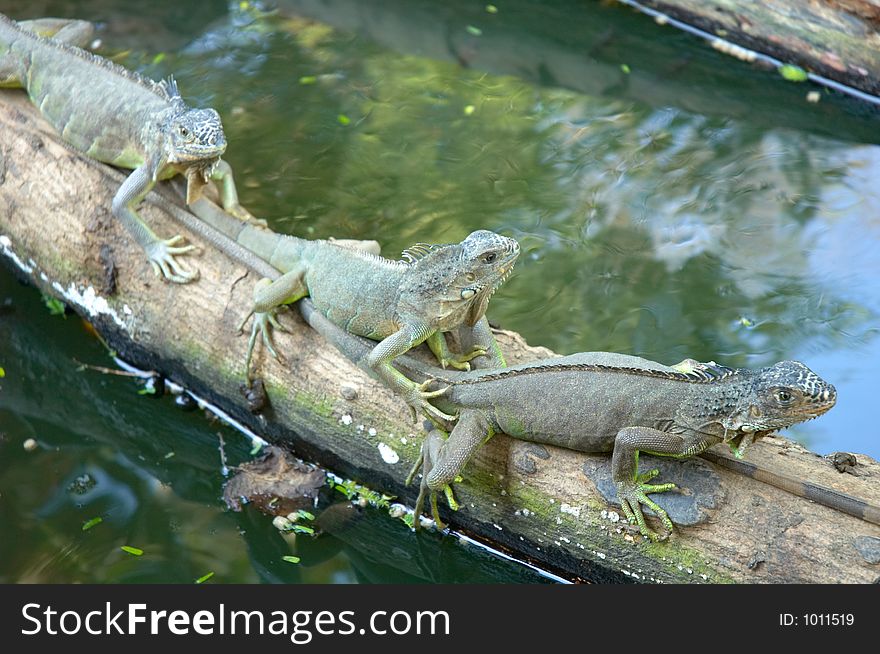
(183, 131)
(783, 396)
(489, 258)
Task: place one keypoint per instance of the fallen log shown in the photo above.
(543, 504)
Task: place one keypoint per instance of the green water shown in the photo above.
(670, 203)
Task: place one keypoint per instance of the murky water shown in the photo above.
(670, 203)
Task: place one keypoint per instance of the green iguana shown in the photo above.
(119, 117)
(436, 289)
(604, 402)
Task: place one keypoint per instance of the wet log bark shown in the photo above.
(543, 504)
(838, 39)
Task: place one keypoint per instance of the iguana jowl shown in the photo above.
(604, 402)
(119, 117)
(438, 288)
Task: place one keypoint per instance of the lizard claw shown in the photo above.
(633, 495)
(418, 403)
(427, 456)
(161, 257)
(262, 327)
(461, 362)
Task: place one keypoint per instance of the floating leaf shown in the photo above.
(302, 529)
(291, 559)
(169, 455)
(343, 119)
(305, 515)
(256, 448)
(469, 110)
(55, 306)
(158, 58)
(793, 73)
(307, 79)
(492, 9)
(2, 372)
(91, 523)
(204, 578)
(476, 31)
(134, 551)
(626, 69)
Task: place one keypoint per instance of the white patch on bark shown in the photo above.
(388, 454)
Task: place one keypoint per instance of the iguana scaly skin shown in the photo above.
(604, 402)
(438, 288)
(121, 118)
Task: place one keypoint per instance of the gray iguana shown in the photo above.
(435, 289)
(119, 117)
(604, 402)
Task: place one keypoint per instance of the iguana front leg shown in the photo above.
(222, 174)
(416, 395)
(440, 348)
(480, 337)
(632, 487)
(442, 460)
(160, 252)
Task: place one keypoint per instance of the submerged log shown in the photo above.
(544, 504)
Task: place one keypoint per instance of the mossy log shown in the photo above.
(539, 503)
(837, 39)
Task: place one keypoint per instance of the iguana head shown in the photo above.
(782, 395)
(454, 282)
(195, 135)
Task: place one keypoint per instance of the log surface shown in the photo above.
(542, 504)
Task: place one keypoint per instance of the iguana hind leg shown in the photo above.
(161, 253)
(443, 459)
(268, 296)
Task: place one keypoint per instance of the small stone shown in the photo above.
(281, 523)
(397, 511)
(30, 445)
(348, 391)
(813, 97)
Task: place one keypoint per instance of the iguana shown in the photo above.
(604, 402)
(435, 289)
(122, 118)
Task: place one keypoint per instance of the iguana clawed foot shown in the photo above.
(461, 361)
(418, 397)
(427, 457)
(633, 494)
(161, 257)
(263, 324)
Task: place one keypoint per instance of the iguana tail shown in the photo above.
(264, 244)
